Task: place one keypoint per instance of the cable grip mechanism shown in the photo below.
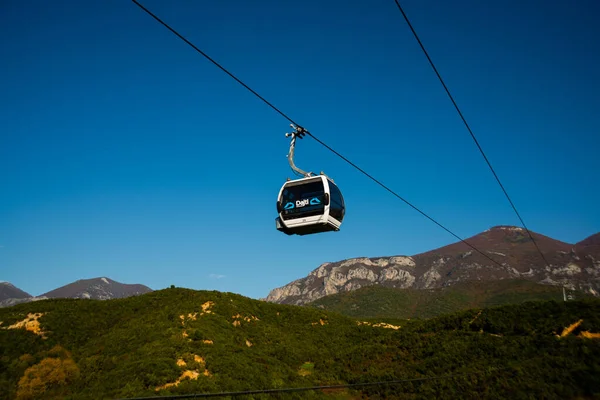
(298, 132)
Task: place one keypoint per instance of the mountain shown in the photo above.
(9, 291)
(98, 289)
(182, 342)
(95, 288)
(508, 253)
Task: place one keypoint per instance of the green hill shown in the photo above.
(382, 302)
(212, 342)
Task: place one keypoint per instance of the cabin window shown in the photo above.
(303, 200)
(337, 208)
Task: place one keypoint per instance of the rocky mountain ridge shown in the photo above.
(96, 288)
(507, 252)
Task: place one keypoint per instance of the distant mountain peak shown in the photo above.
(505, 228)
(10, 291)
(102, 288)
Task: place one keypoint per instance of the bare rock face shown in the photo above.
(505, 252)
(346, 275)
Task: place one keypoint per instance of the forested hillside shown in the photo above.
(384, 302)
(179, 341)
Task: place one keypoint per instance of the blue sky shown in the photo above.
(126, 154)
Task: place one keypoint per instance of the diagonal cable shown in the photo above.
(311, 388)
(313, 136)
(469, 129)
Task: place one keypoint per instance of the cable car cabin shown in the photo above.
(310, 205)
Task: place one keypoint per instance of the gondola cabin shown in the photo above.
(310, 205)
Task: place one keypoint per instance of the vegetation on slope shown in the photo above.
(382, 302)
(183, 341)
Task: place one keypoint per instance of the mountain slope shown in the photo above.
(514, 257)
(178, 341)
(590, 245)
(9, 291)
(382, 302)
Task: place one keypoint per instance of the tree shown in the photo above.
(48, 375)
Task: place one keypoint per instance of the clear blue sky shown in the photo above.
(126, 154)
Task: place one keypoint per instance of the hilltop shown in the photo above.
(180, 341)
(508, 254)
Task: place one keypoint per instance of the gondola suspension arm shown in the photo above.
(298, 132)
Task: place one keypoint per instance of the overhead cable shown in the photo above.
(470, 130)
(305, 389)
(313, 136)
